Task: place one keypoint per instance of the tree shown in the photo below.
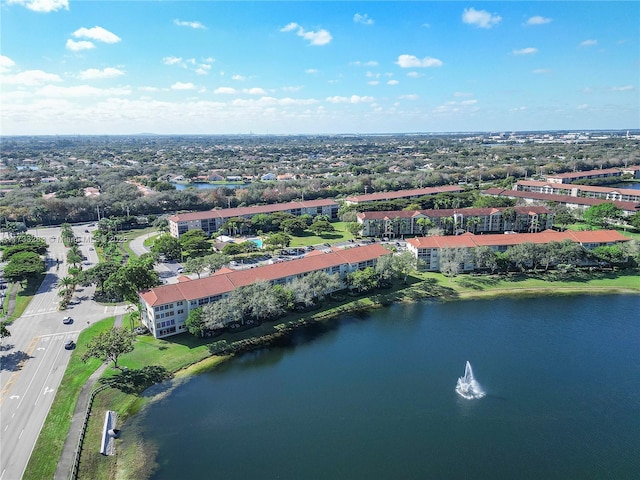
(195, 265)
(485, 258)
(168, 246)
(4, 331)
(277, 240)
(320, 227)
(451, 261)
(216, 261)
(195, 243)
(293, 226)
(354, 228)
(363, 280)
(405, 263)
(634, 220)
(98, 274)
(195, 322)
(138, 274)
(22, 266)
(110, 345)
(602, 215)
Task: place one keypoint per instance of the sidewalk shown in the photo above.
(69, 449)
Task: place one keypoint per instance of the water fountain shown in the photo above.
(467, 385)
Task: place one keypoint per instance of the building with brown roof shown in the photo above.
(210, 221)
(429, 249)
(628, 208)
(413, 193)
(588, 175)
(165, 309)
(476, 220)
(586, 191)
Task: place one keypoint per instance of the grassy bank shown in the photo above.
(24, 295)
(183, 355)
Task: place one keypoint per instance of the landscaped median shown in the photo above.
(182, 355)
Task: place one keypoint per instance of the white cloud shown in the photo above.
(96, 33)
(173, 61)
(6, 64)
(183, 86)
(588, 43)
(42, 6)
(412, 96)
(363, 19)
(538, 20)
(624, 88)
(525, 51)
(415, 74)
(311, 71)
(78, 46)
(351, 99)
(541, 71)
(393, 82)
(583, 106)
(254, 91)
(203, 69)
(94, 73)
(321, 37)
(239, 78)
(293, 88)
(195, 25)
(370, 63)
(462, 94)
(480, 18)
(74, 92)
(225, 90)
(411, 61)
(30, 78)
(373, 83)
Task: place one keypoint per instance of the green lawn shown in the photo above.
(340, 235)
(48, 448)
(23, 297)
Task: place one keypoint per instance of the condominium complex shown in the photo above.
(165, 309)
(475, 220)
(429, 249)
(210, 221)
(572, 190)
(413, 193)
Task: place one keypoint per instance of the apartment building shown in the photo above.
(164, 309)
(210, 221)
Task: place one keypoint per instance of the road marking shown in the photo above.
(13, 397)
(14, 376)
(20, 436)
(40, 348)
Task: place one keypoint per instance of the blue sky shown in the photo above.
(302, 67)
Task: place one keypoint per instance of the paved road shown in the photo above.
(33, 359)
(168, 271)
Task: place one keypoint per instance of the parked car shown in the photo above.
(67, 320)
(69, 345)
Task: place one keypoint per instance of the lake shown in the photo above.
(373, 397)
(183, 186)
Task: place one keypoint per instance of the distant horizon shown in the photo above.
(75, 67)
(634, 131)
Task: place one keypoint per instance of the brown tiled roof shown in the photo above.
(585, 174)
(449, 212)
(550, 197)
(256, 209)
(404, 193)
(219, 284)
(470, 241)
(584, 188)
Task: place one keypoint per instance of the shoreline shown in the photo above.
(280, 332)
